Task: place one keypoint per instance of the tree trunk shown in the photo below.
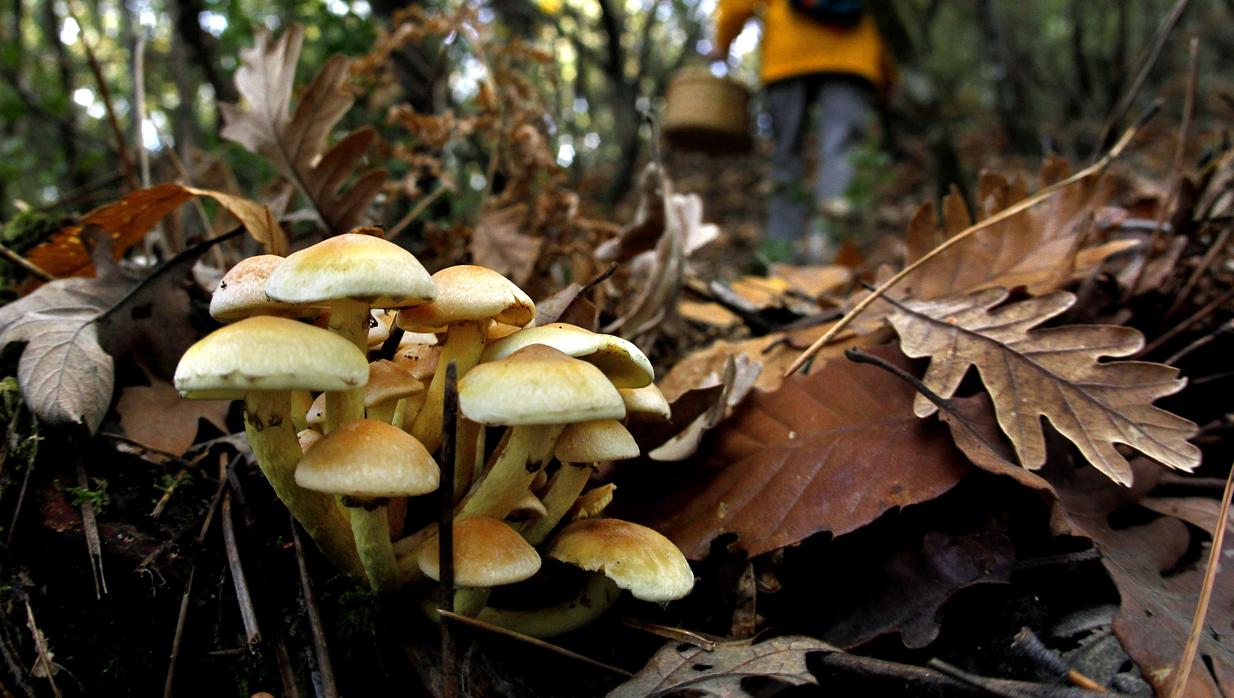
(68, 131)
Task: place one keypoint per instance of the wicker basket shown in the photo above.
(707, 113)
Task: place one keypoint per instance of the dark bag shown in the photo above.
(840, 13)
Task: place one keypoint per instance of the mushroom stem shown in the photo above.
(276, 449)
(563, 490)
(372, 533)
(469, 601)
(591, 602)
(470, 459)
(405, 551)
(464, 344)
(301, 403)
(348, 319)
(516, 464)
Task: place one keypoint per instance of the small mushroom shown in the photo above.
(487, 553)
(624, 363)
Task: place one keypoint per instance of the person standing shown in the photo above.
(831, 56)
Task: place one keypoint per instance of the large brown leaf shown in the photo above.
(130, 218)
(497, 243)
(1053, 373)
(718, 672)
(297, 143)
(1041, 248)
(829, 451)
(157, 417)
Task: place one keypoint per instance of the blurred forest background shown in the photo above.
(98, 97)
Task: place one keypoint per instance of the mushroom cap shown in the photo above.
(647, 400)
(419, 359)
(487, 553)
(470, 293)
(269, 353)
(367, 458)
(592, 442)
(355, 266)
(389, 381)
(379, 326)
(308, 437)
(538, 385)
(635, 557)
(624, 364)
(241, 292)
(592, 503)
(316, 415)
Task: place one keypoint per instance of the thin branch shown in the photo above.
(90, 525)
(122, 148)
(248, 614)
(29, 267)
(1195, 317)
(420, 207)
(325, 668)
(498, 630)
(445, 531)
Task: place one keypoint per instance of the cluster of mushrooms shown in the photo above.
(348, 445)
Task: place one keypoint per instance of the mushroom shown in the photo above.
(581, 445)
(592, 503)
(536, 391)
(620, 360)
(646, 402)
(487, 553)
(365, 463)
(261, 360)
(622, 555)
(351, 273)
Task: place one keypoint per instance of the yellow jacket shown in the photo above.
(794, 44)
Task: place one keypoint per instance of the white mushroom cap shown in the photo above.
(487, 553)
(241, 292)
(647, 400)
(368, 459)
(635, 557)
(470, 293)
(269, 353)
(624, 364)
(352, 266)
(538, 385)
(592, 442)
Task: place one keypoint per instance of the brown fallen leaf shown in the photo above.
(157, 417)
(1157, 596)
(642, 233)
(1054, 373)
(128, 220)
(735, 383)
(684, 667)
(1201, 512)
(829, 451)
(296, 144)
(496, 243)
(1041, 248)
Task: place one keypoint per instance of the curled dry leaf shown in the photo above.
(684, 667)
(828, 451)
(496, 243)
(296, 144)
(735, 383)
(1053, 373)
(128, 220)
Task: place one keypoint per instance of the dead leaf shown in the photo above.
(828, 451)
(1037, 248)
(682, 667)
(130, 218)
(1201, 512)
(641, 234)
(497, 243)
(157, 417)
(1157, 597)
(814, 281)
(735, 383)
(296, 144)
(1054, 373)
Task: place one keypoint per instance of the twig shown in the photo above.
(43, 663)
(96, 70)
(1176, 167)
(445, 531)
(974, 680)
(162, 503)
(325, 669)
(410, 217)
(1206, 592)
(29, 267)
(1209, 257)
(1028, 645)
(1226, 328)
(21, 499)
(668, 632)
(247, 613)
(1195, 317)
(90, 526)
(497, 630)
(1015, 209)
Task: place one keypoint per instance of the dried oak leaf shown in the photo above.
(735, 382)
(156, 417)
(296, 144)
(1158, 597)
(1053, 373)
(496, 243)
(682, 667)
(828, 451)
(130, 218)
(1041, 248)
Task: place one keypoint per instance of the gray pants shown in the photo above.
(843, 109)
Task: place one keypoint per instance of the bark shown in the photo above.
(64, 70)
(1011, 92)
(202, 47)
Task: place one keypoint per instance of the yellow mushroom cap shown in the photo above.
(538, 385)
(269, 353)
(367, 458)
(470, 293)
(635, 557)
(241, 292)
(592, 442)
(389, 381)
(624, 364)
(487, 553)
(355, 266)
(647, 400)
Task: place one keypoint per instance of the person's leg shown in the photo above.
(844, 107)
(788, 104)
